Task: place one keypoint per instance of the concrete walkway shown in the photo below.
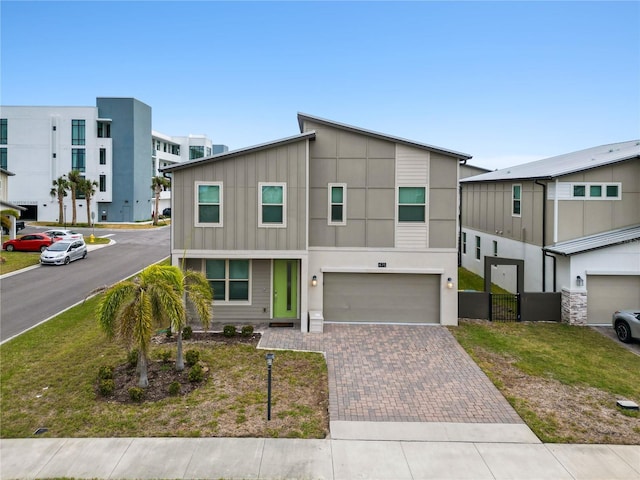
(259, 458)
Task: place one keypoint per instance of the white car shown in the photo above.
(64, 252)
(59, 234)
(627, 324)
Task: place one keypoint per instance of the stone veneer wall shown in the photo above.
(574, 307)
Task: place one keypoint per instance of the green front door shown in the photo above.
(285, 288)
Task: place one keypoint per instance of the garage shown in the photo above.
(608, 293)
(381, 297)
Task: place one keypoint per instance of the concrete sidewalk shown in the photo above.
(332, 459)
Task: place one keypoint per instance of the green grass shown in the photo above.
(470, 281)
(49, 374)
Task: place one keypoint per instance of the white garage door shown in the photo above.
(608, 293)
(381, 297)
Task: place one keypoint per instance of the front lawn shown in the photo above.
(562, 380)
(49, 377)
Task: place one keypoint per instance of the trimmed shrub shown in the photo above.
(229, 331)
(132, 357)
(187, 332)
(106, 387)
(165, 355)
(105, 372)
(247, 331)
(196, 374)
(136, 394)
(174, 388)
(192, 357)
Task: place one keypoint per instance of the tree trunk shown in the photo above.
(73, 205)
(88, 200)
(179, 356)
(60, 209)
(155, 216)
(143, 382)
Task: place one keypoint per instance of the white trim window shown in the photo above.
(337, 200)
(516, 200)
(478, 248)
(230, 280)
(272, 200)
(464, 243)
(412, 204)
(596, 191)
(208, 204)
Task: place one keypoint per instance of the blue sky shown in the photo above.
(506, 82)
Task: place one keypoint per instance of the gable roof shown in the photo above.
(350, 128)
(594, 242)
(557, 166)
(241, 151)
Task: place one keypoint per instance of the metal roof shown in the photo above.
(241, 151)
(553, 167)
(594, 242)
(303, 116)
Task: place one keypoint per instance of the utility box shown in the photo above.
(316, 321)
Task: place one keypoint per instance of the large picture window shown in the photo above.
(272, 210)
(78, 136)
(411, 204)
(229, 279)
(337, 204)
(78, 161)
(209, 204)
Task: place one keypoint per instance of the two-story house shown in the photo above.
(349, 224)
(575, 221)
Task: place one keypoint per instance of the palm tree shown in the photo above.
(88, 187)
(59, 190)
(5, 218)
(130, 310)
(158, 184)
(197, 293)
(74, 178)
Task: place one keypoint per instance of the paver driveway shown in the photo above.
(398, 373)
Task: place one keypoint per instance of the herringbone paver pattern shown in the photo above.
(398, 373)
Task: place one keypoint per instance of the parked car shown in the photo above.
(36, 242)
(166, 212)
(19, 226)
(63, 234)
(64, 252)
(627, 324)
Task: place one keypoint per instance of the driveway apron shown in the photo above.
(398, 373)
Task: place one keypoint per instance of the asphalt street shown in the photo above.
(32, 296)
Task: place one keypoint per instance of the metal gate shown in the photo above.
(505, 307)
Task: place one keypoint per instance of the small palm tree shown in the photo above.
(198, 293)
(74, 179)
(88, 187)
(130, 310)
(158, 184)
(59, 190)
(5, 219)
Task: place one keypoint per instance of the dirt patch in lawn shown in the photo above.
(576, 414)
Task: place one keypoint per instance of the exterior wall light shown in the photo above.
(314, 281)
(449, 283)
(579, 281)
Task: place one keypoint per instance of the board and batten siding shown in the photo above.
(240, 176)
(412, 170)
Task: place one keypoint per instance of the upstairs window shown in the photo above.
(478, 251)
(595, 191)
(196, 152)
(516, 199)
(104, 130)
(209, 204)
(272, 208)
(103, 156)
(78, 161)
(4, 130)
(229, 279)
(337, 204)
(613, 191)
(464, 243)
(103, 183)
(411, 204)
(80, 195)
(78, 132)
(3, 158)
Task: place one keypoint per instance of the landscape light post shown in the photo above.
(269, 357)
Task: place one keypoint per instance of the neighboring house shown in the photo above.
(575, 221)
(4, 203)
(111, 143)
(336, 222)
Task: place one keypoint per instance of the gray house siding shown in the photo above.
(595, 216)
(442, 202)
(367, 166)
(240, 177)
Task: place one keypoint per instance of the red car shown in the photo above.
(36, 242)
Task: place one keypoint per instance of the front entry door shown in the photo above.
(285, 288)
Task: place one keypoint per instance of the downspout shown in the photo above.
(459, 225)
(544, 232)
